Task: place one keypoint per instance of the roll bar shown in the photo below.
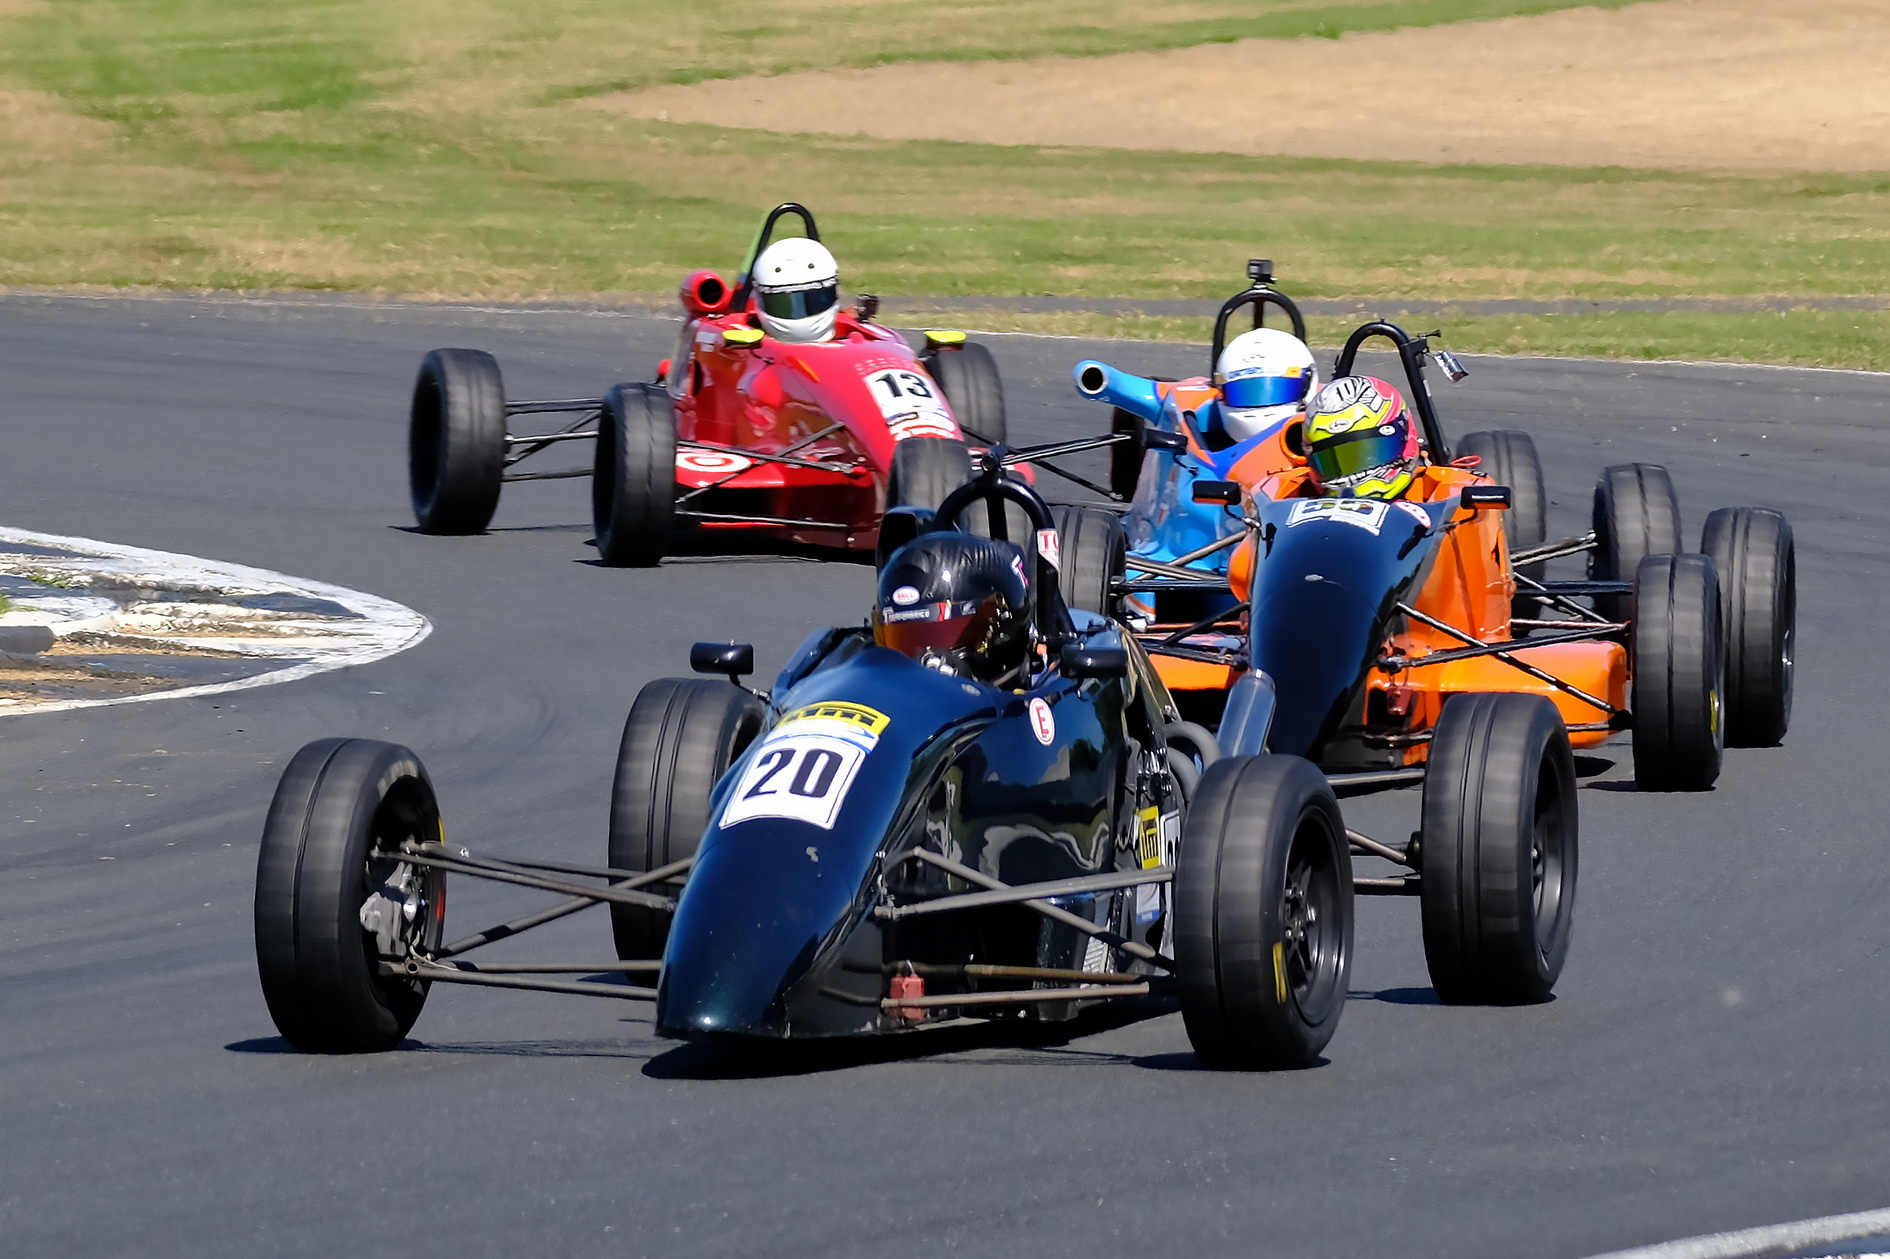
(744, 281)
(1260, 295)
(1415, 352)
(991, 486)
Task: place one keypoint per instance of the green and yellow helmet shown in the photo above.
(1360, 441)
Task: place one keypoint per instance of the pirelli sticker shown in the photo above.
(851, 721)
(1149, 836)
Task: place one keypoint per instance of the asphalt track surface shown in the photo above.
(1713, 1060)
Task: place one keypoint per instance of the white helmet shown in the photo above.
(797, 287)
(1265, 376)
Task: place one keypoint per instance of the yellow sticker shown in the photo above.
(1279, 972)
(870, 720)
(941, 336)
(742, 336)
(1149, 833)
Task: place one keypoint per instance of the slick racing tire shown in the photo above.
(1093, 556)
(1497, 850)
(633, 482)
(1263, 914)
(331, 905)
(1758, 604)
(969, 377)
(1509, 458)
(925, 470)
(681, 736)
(1678, 674)
(456, 441)
(1636, 514)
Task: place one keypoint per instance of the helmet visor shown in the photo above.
(941, 627)
(1266, 391)
(1351, 455)
(803, 303)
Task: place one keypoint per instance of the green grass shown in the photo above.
(436, 149)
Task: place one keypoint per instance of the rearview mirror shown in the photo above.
(1162, 439)
(1078, 661)
(1227, 492)
(731, 659)
(1496, 497)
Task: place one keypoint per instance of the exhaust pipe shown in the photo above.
(1134, 394)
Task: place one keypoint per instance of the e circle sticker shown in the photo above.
(1043, 722)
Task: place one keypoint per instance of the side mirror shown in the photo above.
(1454, 370)
(1227, 492)
(866, 307)
(1078, 661)
(1162, 439)
(732, 659)
(1495, 497)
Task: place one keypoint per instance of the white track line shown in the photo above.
(1765, 1243)
(385, 627)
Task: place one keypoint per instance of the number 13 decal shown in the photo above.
(901, 385)
(802, 777)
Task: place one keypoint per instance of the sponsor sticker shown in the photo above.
(912, 404)
(1095, 957)
(1367, 513)
(711, 462)
(1043, 722)
(1148, 903)
(1416, 513)
(1050, 546)
(1017, 566)
(906, 596)
(1148, 829)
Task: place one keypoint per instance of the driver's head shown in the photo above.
(1360, 439)
(956, 602)
(797, 290)
(1265, 377)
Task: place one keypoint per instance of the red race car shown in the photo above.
(780, 415)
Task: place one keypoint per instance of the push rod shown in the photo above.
(1022, 996)
(545, 439)
(506, 930)
(802, 444)
(1053, 912)
(1539, 674)
(763, 520)
(1010, 895)
(1205, 624)
(452, 975)
(1366, 843)
(566, 404)
(1586, 634)
(546, 476)
(1553, 550)
(498, 872)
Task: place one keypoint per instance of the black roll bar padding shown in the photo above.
(1260, 296)
(745, 281)
(992, 486)
(1413, 351)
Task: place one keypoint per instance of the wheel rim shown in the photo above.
(1548, 859)
(1312, 923)
(403, 905)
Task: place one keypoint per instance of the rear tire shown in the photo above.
(456, 441)
(1094, 556)
(1758, 602)
(1509, 458)
(1636, 514)
(925, 470)
(681, 736)
(1263, 914)
(969, 377)
(1678, 674)
(1497, 850)
(328, 911)
(633, 481)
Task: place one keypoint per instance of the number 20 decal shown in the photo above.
(801, 777)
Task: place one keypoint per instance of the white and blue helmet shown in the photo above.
(797, 290)
(1265, 377)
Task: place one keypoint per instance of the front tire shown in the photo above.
(1678, 674)
(1758, 601)
(456, 441)
(1094, 556)
(1636, 514)
(332, 904)
(1263, 914)
(633, 481)
(926, 469)
(1497, 850)
(681, 736)
(969, 378)
(1509, 458)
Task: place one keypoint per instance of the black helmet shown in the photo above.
(958, 600)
